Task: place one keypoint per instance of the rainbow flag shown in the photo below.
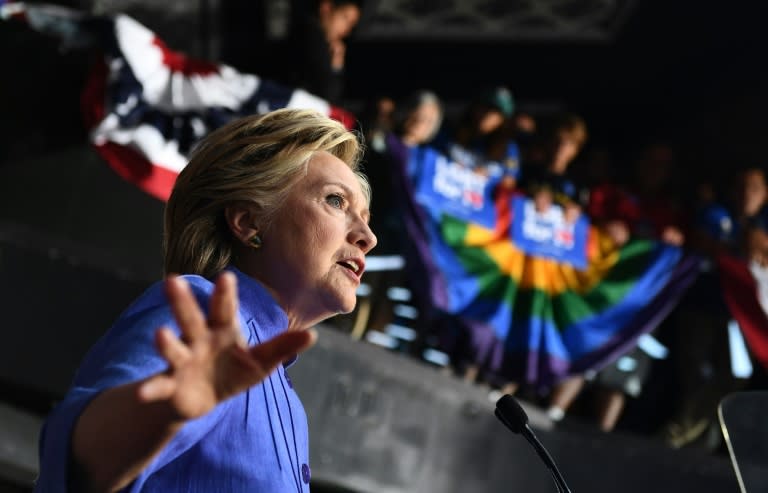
(519, 317)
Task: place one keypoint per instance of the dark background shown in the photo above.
(690, 73)
(685, 72)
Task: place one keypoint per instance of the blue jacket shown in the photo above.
(254, 442)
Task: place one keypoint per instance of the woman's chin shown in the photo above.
(348, 306)
(337, 306)
(347, 302)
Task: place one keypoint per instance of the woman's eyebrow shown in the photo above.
(339, 184)
(350, 194)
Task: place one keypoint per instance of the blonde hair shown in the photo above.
(255, 160)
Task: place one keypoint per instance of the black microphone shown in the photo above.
(509, 412)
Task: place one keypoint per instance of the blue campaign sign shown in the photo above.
(548, 234)
(443, 186)
(508, 166)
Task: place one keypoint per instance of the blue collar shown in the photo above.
(257, 303)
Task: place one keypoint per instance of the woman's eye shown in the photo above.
(335, 200)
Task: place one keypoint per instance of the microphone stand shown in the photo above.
(527, 432)
(533, 440)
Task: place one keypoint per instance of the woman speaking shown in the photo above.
(266, 233)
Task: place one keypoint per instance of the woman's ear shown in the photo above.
(242, 222)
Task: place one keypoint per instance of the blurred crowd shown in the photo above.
(671, 384)
(645, 196)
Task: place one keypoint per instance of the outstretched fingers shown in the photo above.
(209, 360)
(171, 348)
(280, 348)
(175, 352)
(185, 309)
(222, 311)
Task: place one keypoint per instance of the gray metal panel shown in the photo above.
(18, 445)
(383, 422)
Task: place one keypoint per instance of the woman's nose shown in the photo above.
(364, 237)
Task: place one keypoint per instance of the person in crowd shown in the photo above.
(485, 114)
(376, 121)
(406, 124)
(483, 129)
(545, 176)
(703, 349)
(267, 229)
(415, 121)
(608, 204)
(561, 139)
(317, 45)
(655, 188)
(418, 118)
(609, 209)
(735, 225)
(480, 141)
(647, 205)
(548, 178)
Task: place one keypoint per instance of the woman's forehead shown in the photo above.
(325, 169)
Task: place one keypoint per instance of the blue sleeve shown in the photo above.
(125, 354)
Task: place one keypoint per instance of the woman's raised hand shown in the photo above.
(211, 362)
